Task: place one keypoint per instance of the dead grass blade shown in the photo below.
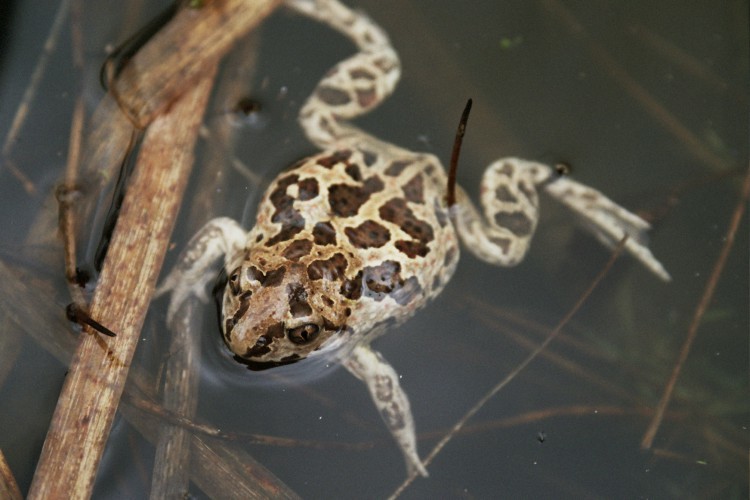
(89, 398)
(8, 485)
(28, 96)
(708, 293)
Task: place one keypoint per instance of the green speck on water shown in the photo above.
(507, 43)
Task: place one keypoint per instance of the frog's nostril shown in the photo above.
(303, 334)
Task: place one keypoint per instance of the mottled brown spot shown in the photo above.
(286, 233)
(352, 288)
(332, 269)
(285, 214)
(366, 97)
(329, 325)
(396, 211)
(352, 171)
(528, 191)
(412, 248)
(324, 234)
(333, 96)
(517, 223)
(271, 278)
(502, 193)
(396, 167)
(308, 189)
(345, 200)
(385, 280)
(436, 282)
(341, 156)
(297, 249)
(298, 305)
(324, 123)
(369, 234)
(262, 345)
(386, 64)
(414, 189)
(361, 73)
(369, 158)
(228, 327)
(503, 243)
(506, 169)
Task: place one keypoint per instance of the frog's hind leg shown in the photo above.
(354, 86)
(511, 210)
(390, 399)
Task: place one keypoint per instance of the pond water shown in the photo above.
(648, 103)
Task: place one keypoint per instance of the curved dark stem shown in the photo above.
(451, 196)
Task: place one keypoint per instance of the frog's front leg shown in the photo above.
(511, 210)
(390, 399)
(220, 237)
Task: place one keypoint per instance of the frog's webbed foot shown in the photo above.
(220, 237)
(511, 210)
(608, 221)
(390, 399)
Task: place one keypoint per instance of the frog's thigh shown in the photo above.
(389, 398)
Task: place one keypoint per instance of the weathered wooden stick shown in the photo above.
(180, 52)
(8, 485)
(86, 407)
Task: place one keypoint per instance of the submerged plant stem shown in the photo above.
(708, 293)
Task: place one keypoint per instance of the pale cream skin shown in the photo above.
(355, 239)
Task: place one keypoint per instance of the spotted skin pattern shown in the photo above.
(352, 241)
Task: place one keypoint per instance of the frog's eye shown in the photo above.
(303, 334)
(234, 281)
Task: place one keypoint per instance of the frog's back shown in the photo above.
(371, 233)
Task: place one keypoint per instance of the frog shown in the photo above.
(350, 242)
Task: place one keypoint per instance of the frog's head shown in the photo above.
(278, 315)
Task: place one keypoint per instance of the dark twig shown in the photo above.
(80, 316)
(708, 293)
(451, 197)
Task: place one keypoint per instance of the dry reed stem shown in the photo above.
(90, 396)
(19, 119)
(171, 470)
(219, 468)
(705, 301)
(8, 485)
(149, 85)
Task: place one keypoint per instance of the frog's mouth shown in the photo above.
(258, 366)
